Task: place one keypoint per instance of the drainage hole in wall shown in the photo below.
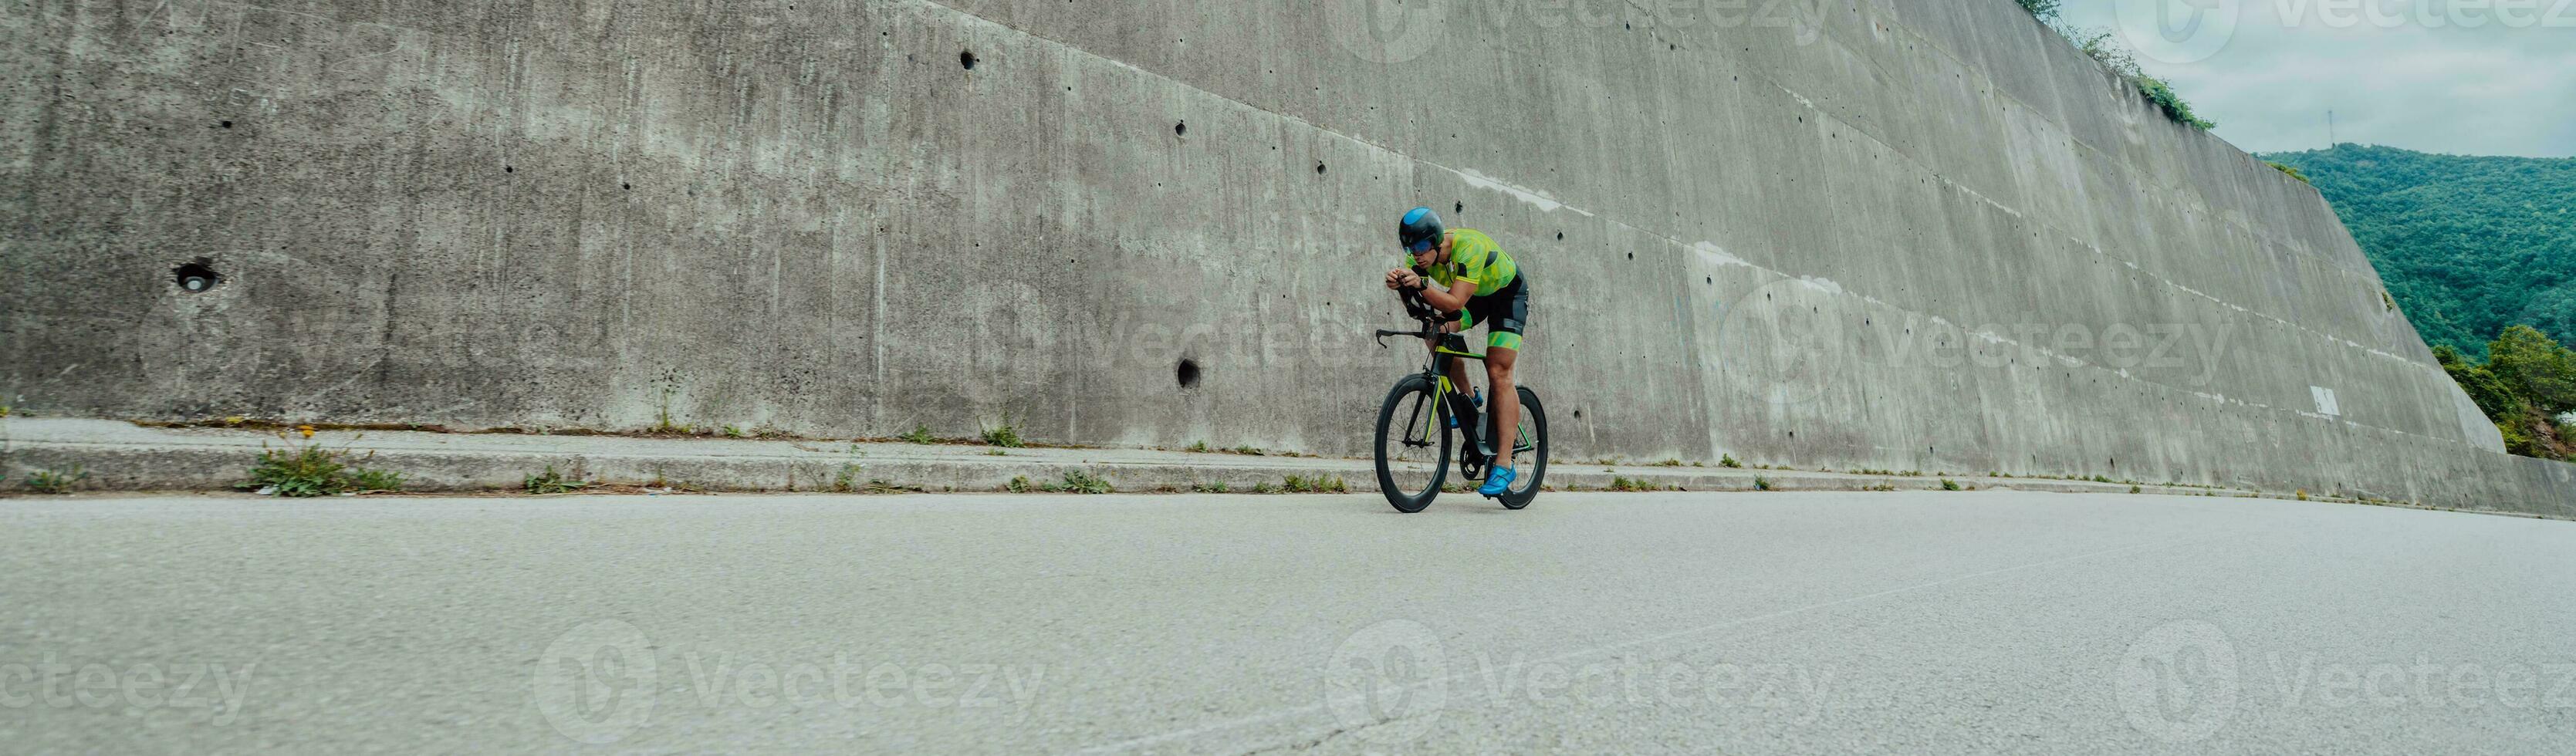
(1181, 129)
(1319, 169)
(966, 59)
(196, 276)
(1188, 374)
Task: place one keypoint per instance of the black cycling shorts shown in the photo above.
(1505, 312)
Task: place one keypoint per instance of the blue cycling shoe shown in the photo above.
(1498, 483)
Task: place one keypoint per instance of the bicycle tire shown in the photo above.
(1412, 397)
(1534, 420)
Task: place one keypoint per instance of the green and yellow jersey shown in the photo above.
(1475, 258)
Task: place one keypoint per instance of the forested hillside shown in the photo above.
(2468, 245)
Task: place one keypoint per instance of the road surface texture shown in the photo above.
(1900, 623)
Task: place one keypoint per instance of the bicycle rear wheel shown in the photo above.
(1529, 449)
(1412, 445)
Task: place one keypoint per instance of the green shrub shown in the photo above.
(1005, 436)
(920, 435)
(2303, 178)
(1209, 487)
(1728, 460)
(2161, 93)
(1761, 483)
(1949, 485)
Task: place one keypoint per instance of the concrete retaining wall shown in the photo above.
(1865, 233)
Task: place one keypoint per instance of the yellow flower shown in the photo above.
(307, 430)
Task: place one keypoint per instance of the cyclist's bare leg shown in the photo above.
(1506, 401)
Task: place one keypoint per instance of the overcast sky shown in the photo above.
(2409, 77)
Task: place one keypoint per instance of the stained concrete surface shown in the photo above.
(1899, 623)
(1848, 234)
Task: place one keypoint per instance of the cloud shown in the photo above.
(2402, 73)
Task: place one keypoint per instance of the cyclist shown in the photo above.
(1464, 272)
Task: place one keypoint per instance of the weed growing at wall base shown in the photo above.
(56, 481)
(1081, 482)
(315, 471)
(1316, 484)
(552, 482)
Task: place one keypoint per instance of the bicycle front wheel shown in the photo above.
(1412, 445)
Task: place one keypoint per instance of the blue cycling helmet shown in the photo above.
(1420, 230)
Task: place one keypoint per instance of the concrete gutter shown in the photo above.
(127, 457)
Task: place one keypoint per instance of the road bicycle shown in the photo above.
(1414, 424)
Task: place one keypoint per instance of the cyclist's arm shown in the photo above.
(1454, 299)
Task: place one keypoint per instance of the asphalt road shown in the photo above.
(1902, 623)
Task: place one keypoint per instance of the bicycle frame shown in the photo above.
(1432, 321)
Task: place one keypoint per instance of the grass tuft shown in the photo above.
(1081, 482)
(1317, 484)
(56, 482)
(552, 482)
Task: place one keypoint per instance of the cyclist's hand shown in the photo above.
(1404, 279)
